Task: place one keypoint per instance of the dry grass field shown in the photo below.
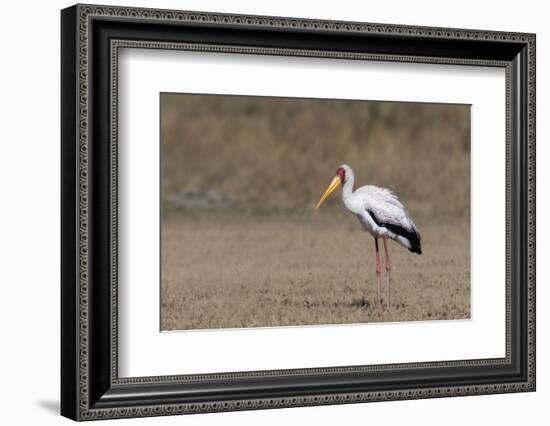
(239, 270)
(241, 243)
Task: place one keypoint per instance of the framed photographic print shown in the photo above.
(263, 212)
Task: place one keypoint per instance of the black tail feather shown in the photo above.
(415, 247)
(412, 235)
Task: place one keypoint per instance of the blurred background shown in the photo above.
(243, 246)
(280, 153)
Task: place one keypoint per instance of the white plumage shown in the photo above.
(381, 214)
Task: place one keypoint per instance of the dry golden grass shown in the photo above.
(224, 269)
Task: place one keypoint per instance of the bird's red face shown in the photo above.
(341, 173)
(338, 180)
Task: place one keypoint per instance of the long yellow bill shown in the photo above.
(331, 188)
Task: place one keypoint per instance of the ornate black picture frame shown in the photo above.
(90, 385)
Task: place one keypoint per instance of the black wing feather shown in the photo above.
(412, 235)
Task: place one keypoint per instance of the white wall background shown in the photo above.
(29, 213)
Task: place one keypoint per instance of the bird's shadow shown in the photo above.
(360, 303)
(50, 406)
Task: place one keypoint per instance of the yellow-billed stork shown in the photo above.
(381, 214)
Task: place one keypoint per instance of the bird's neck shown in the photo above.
(347, 188)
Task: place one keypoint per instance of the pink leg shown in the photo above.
(378, 270)
(388, 270)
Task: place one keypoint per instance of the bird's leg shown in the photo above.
(388, 270)
(378, 270)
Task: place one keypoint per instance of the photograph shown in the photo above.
(281, 211)
(266, 209)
